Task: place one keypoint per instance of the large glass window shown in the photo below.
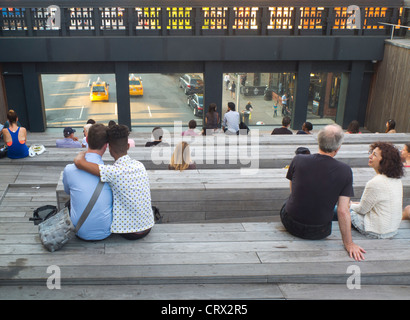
(161, 99)
(271, 96)
(72, 99)
(324, 93)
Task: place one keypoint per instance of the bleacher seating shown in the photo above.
(245, 253)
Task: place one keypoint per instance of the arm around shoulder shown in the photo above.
(82, 164)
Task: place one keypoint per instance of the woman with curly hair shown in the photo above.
(378, 214)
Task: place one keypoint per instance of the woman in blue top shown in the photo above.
(15, 137)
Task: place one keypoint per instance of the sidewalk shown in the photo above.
(263, 112)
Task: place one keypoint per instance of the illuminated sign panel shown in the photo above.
(292, 18)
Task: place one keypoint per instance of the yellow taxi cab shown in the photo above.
(99, 91)
(136, 88)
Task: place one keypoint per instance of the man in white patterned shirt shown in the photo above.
(132, 210)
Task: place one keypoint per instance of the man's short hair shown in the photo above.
(118, 138)
(192, 124)
(302, 150)
(330, 138)
(157, 132)
(231, 106)
(97, 136)
(286, 121)
(308, 126)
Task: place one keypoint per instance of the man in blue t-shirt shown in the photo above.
(80, 186)
(69, 141)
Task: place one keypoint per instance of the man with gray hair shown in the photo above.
(317, 183)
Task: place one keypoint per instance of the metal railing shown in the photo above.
(393, 28)
(197, 21)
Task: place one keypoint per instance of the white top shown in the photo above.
(381, 204)
(84, 142)
(231, 120)
(132, 211)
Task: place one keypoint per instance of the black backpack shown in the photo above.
(157, 215)
(43, 213)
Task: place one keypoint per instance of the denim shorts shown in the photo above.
(358, 224)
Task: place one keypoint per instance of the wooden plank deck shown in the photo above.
(220, 151)
(207, 156)
(48, 139)
(261, 256)
(227, 194)
(250, 258)
(241, 260)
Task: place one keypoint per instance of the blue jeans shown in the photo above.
(335, 214)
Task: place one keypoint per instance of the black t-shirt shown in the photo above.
(281, 130)
(317, 182)
(155, 143)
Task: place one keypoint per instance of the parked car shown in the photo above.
(191, 83)
(136, 88)
(196, 102)
(99, 91)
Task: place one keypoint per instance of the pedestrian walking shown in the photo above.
(233, 90)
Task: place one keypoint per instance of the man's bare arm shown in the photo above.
(343, 215)
(83, 164)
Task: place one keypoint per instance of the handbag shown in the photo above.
(57, 230)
